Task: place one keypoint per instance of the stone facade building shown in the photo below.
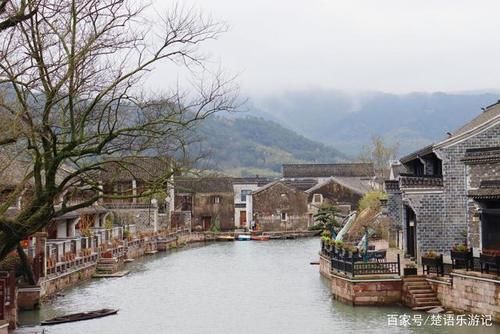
(344, 193)
(341, 184)
(278, 206)
(451, 191)
(321, 172)
(207, 203)
(243, 188)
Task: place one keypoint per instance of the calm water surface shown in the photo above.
(233, 287)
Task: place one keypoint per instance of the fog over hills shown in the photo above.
(347, 121)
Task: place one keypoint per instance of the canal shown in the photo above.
(232, 287)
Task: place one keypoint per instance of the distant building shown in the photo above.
(243, 188)
(321, 172)
(139, 191)
(278, 206)
(451, 192)
(204, 203)
(341, 184)
(343, 192)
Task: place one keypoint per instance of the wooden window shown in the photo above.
(216, 199)
(317, 198)
(284, 216)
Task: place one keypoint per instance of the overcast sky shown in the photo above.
(384, 45)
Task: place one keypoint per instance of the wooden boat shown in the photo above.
(225, 238)
(243, 237)
(260, 237)
(79, 316)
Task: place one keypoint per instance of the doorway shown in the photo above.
(243, 218)
(411, 232)
(206, 222)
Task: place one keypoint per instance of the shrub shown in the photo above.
(371, 200)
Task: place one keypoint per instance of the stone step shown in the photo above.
(420, 289)
(424, 295)
(431, 303)
(423, 308)
(414, 279)
(416, 285)
(426, 299)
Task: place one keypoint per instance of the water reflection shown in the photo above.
(233, 287)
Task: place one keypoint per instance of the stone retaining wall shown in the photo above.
(53, 285)
(324, 266)
(367, 291)
(28, 298)
(470, 292)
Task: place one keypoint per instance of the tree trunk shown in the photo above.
(26, 266)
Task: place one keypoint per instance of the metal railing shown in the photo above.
(353, 264)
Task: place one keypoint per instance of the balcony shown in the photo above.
(391, 186)
(422, 182)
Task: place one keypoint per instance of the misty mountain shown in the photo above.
(246, 146)
(348, 121)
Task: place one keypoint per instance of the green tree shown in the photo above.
(326, 218)
(371, 200)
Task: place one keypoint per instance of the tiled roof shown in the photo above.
(482, 154)
(136, 167)
(204, 185)
(272, 184)
(302, 184)
(260, 181)
(327, 170)
(489, 113)
(356, 184)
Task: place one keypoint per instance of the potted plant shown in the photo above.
(461, 256)
(431, 259)
(410, 269)
(349, 250)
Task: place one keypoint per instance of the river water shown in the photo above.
(231, 287)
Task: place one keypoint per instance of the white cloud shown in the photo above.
(389, 45)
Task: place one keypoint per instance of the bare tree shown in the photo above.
(380, 154)
(72, 76)
(14, 12)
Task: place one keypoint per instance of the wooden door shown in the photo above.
(243, 218)
(206, 222)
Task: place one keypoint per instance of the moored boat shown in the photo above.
(79, 316)
(243, 237)
(260, 237)
(225, 238)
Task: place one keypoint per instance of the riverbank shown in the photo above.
(225, 287)
(72, 272)
(463, 292)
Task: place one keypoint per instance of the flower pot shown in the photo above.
(462, 259)
(409, 271)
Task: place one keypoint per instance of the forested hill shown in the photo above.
(412, 120)
(247, 146)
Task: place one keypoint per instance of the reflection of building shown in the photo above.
(451, 192)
